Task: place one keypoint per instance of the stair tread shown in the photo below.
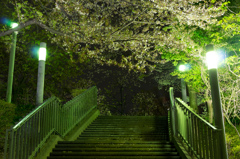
(115, 157)
(115, 149)
(115, 153)
(121, 145)
(120, 137)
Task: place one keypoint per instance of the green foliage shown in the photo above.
(201, 37)
(192, 77)
(147, 104)
(7, 113)
(233, 141)
(21, 111)
(76, 92)
(164, 78)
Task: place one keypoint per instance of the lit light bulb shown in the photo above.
(182, 68)
(212, 59)
(42, 51)
(14, 25)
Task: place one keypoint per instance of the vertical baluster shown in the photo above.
(194, 135)
(188, 130)
(41, 127)
(180, 122)
(72, 115)
(38, 129)
(35, 131)
(10, 152)
(17, 147)
(204, 140)
(47, 113)
(197, 136)
(65, 119)
(54, 115)
(32, 133)
(21, 141)
(216, 145)
(25, 144)
(58, 114)
(191, 132)
(184, 124)
(200, 138)
(207, 141)
(177, 119)
(43, 123)
(29, 137)
(211, 143)
(50, 117)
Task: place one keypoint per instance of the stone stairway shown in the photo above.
(120, 137)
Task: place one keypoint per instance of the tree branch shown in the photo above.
(31, 22)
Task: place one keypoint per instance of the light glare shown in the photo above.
(212, 59)
(14, 25)
(42, 54)
(182, 68)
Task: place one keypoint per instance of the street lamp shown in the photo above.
(212, 61)
(11, 64)
(183, 68)
(41, 73)
(14, 25)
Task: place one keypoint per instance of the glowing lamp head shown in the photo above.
(14, 25)
(42, 51)
(211, 57)
(182, 68)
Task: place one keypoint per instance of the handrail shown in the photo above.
(76, 109)
(25, 138)
(33, 112)
(201, 138)
(182, 103)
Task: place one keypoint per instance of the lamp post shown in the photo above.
(11, 64)
(183, 68)
(41, 73)
(216, 99)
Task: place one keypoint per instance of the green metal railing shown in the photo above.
(201, 138)
(24, 139)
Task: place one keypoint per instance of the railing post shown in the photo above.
(216, 100)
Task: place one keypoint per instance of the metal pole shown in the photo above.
(217, 108)
(11, 67)
(40, 81)
(184, 90)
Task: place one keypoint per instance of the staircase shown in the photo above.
(120, 137)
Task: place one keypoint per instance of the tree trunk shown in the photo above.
(210, 111)
(210, 108)
(193, 99)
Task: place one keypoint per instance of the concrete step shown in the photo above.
(115, 157)
(114, 149)
(111, 153)
(120, 137)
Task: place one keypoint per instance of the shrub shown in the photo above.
(21, 111)
(7, 112)
(233, 141)
(77, 91)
